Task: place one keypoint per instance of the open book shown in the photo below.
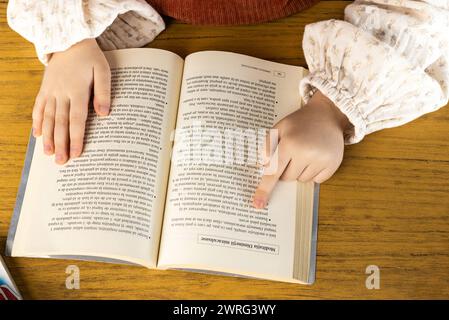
(134, 196)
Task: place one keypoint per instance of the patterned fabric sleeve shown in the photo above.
(385, 65)
(55, 25)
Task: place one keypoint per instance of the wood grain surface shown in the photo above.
(388, 205)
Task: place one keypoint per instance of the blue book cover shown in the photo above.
(8, 290)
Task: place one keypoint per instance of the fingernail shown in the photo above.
(59, 158)
(47, 148)
(33, 132)
(259, 203)
(74, 152)
(104, 110)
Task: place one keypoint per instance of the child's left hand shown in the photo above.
(310, 146)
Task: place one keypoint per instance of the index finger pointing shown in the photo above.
(268, 181)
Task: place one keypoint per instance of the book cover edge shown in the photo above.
(20, 196)
(316, 200)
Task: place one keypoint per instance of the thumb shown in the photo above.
(102, 89)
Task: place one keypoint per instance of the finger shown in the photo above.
(77, 124)
(48, 126)
(309, 173)
(38, 115)
(270, 144)
(268, 181)
(324, 175)
(102, 89)
(61, 134)
(293, 170)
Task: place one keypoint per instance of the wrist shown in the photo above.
(82, 45)
(338, 117)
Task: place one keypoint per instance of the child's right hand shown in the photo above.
(61, 106)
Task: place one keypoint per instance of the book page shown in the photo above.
(227, 102)
(109, 202)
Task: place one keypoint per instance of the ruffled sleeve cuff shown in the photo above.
(315, 81)
(371, 83)
(57, 25)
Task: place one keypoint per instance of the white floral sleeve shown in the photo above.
(385, 65)
(55, 25)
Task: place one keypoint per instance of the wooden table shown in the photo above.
(388, 205)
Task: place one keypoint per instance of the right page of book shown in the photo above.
(227, 102)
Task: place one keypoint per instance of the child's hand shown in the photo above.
(310, 146)
(61, 107)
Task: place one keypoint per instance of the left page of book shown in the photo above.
(108, 204)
